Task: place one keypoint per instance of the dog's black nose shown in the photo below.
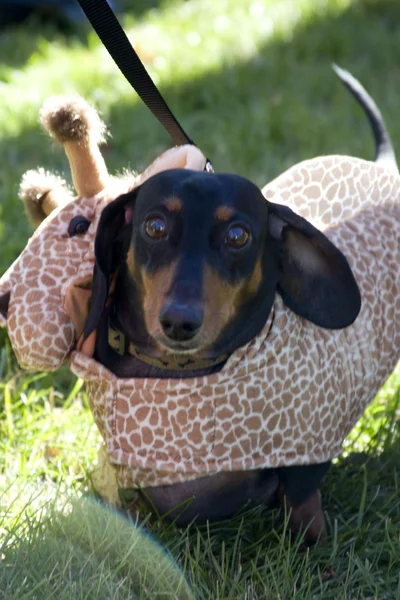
(181, 321)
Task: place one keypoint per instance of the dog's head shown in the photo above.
(198, 257)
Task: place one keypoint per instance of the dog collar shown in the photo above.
(117, 341)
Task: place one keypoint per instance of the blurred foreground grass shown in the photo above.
(250, 80)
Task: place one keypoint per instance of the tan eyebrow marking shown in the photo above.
(224, 213)
(173, 204)
(130, 261)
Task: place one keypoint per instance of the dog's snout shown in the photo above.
(181, 322)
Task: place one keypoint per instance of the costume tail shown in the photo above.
(384, 151)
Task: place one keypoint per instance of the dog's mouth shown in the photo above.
(190, 354)
(191, 347)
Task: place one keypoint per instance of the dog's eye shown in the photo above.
(237, 237)
(155, 228)
(78, 225)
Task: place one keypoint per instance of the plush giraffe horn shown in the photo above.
(76, 125)
(42, 192)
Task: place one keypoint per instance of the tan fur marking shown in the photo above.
(224, 213)
(255, 279)
(219, 304)
(174, 204)
(155, 288)
(130, 262)
(307, 517)
(223, 301)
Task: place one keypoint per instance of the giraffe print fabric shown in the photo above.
(289, 397)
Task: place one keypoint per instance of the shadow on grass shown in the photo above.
(22, 30)
(18, 42)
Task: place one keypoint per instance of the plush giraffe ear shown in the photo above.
(42, 192)
(111, 245)
(315, 281)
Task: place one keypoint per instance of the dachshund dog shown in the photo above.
(198, 259)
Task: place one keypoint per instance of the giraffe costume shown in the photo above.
(288, 397)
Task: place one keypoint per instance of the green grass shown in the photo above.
(110, 556)
(250, 80)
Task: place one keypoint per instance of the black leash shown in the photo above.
(110, 32)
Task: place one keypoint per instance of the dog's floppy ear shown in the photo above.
(315, 281)
(111, 246)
